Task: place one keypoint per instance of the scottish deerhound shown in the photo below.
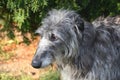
(82, 51)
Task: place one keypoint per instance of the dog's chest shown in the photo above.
(69, 74)
(66, 73)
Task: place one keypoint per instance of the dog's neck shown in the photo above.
(77, 67)
(67, 73)
(70, 71)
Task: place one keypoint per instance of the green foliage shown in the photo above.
(19, 17)
(27, 14)
(96, 8)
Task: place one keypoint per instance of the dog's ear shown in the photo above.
(79, 23)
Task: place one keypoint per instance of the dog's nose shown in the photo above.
(36, 64)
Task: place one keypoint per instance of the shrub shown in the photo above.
(26, 15)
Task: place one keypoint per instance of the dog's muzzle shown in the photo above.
(36, 64)
(41, 60)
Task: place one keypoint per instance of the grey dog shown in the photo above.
(82, 50)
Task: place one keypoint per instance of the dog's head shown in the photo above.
(61, 32)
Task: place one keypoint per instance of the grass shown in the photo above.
(4, 55)
(51, 75)
(5, 76)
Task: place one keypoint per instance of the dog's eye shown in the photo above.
(53, 37)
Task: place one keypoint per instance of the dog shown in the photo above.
(81, 50)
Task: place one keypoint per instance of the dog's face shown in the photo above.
(52, 47)
(58, 40)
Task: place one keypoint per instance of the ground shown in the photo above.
(16, 58)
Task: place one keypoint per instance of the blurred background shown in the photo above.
(18, 21)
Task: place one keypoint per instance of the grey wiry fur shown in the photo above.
(82, 51)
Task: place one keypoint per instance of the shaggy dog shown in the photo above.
(82, 51)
